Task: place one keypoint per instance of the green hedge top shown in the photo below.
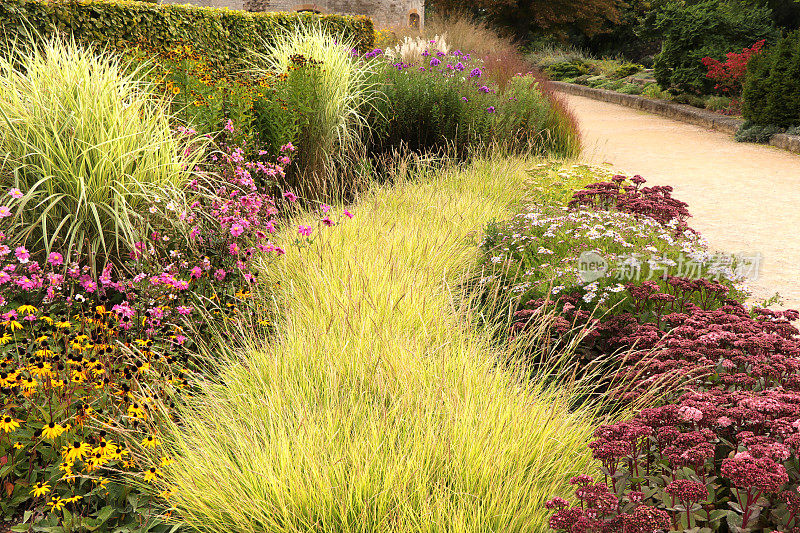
(221, 34)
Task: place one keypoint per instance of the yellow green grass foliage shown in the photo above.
(379, 407)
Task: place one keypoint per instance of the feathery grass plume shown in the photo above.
(86, 142)
(378, 406)
(333, 88)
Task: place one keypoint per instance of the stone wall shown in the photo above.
(384, 12)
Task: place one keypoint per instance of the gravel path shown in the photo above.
(744, 197)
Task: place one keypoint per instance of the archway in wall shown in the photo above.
(307, 8)
(414, 19)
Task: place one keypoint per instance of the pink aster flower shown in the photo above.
(290, 196)
(183, 310)
(196, 272)
(237, 230)
(305, 231)
(15, 193)
(4, 211)
(55, 258)
(22, 254)
(348, 214)
(219, 275)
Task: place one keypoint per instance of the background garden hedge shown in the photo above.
(221, 34)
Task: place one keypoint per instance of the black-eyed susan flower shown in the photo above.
(150, 442)
(40, 489)
(105, 447)
(13, 325)
(66, 467)
(5, 338)
(102, 481)
(8, 424)
(41, 369)
(166, 461)
(135, 410)
(151, 474)
(75, 451)
(26, 309)
(56, 503)
(166, 494)
(52, 431)
(73, 499)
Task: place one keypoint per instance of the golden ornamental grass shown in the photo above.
(379, 407)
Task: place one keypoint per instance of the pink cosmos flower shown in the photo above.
(22, 254)
(348, 214)
(229, 126)
(305, 231)
(55, 258)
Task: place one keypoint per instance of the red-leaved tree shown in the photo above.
(729, 75)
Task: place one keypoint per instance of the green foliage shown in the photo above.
(652, 90)
(631, 88)
(689, 99)
(87, 143)
(710, 28)
(772, 86)
(568, 69)
(756, 133)
(425, 112)
(625, 70)
(718, 103)
(223, 35)
(431, 111)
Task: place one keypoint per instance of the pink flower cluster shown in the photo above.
(654, 202)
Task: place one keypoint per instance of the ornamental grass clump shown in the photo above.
(377, 407)
(331, 86)
(87, 143)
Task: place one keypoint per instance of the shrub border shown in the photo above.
(680, 112)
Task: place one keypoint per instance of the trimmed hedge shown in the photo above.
(222, 34)
(772, 86)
